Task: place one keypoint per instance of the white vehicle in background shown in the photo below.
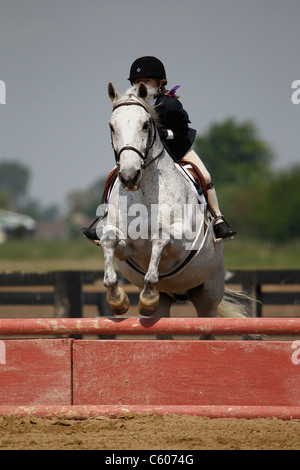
(12, 223)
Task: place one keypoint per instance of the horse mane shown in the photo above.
(131, 95)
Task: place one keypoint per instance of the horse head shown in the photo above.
(133, 133)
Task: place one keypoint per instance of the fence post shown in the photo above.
(68, 296)
(252, 288)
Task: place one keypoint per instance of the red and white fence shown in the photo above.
(83, 378)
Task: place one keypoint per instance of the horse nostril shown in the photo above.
(129, 181)
(121, 178)
(137, 175)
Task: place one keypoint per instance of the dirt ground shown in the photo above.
(149, 432)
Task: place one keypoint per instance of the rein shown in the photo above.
(129, 147)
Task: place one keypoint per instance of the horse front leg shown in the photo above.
(116, 296)
(149, 297)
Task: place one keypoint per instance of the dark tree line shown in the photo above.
(258, 201)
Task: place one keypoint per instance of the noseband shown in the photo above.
(149, 143)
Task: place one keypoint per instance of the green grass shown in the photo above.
(49, 255)
(32, 248)
(249, 254)
(82, 255)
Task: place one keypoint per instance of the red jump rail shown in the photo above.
(149, 326)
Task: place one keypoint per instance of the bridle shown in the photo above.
(149, 142)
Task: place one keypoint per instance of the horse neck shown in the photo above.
(152, 172)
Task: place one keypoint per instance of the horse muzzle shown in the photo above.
(130, 182)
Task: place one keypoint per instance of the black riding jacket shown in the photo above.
(172, 116)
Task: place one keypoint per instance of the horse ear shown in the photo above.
(112, 92)
(142, 91)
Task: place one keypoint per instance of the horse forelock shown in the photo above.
(131, 95)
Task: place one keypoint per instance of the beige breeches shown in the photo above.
(191, 156)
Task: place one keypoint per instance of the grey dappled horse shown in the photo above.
(156, 227)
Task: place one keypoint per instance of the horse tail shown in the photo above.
(235, 304)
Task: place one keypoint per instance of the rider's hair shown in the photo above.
(164, 91)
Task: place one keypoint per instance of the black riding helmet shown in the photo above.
(147, 67)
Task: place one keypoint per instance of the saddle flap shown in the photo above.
(197, 176)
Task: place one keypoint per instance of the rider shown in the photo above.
(175, 133)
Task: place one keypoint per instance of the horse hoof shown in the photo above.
(147, 306)
(119, 305)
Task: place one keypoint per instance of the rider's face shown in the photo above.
(152, 82)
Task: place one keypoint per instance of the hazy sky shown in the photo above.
(232, 58)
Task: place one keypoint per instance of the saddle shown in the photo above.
(194, 173)
(109, 184)
(197, 177)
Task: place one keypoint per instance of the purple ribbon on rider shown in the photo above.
(172, 91)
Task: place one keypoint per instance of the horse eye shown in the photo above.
(111, 127)
(146, 126)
